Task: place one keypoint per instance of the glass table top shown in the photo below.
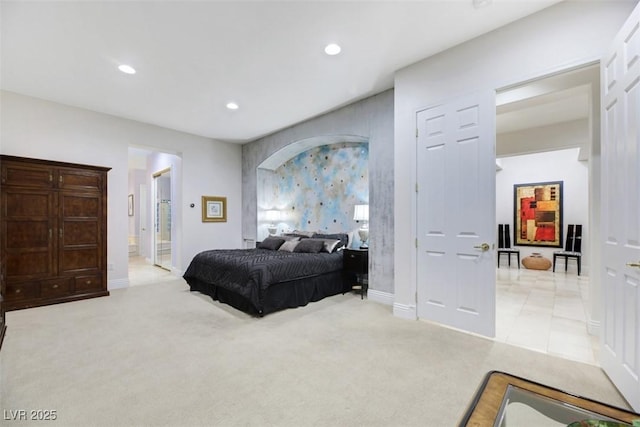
(505, 400)
(524, 408)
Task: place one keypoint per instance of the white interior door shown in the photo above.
(456, 213)
(620, 355)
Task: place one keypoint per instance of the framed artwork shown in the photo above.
(214, 209)
(130, 204)
(537, 214)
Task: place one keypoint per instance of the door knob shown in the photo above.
(634, 264)
(484, 247)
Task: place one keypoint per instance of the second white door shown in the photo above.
(456, 213)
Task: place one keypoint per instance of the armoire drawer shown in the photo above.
(55, 287)
(21, 291)
(88, 283)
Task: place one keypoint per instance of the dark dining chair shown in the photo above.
(504, 244)
(572, 247)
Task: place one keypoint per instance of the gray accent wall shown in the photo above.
(368, 120)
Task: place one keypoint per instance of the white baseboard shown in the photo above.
(385, 298)
(399, 310)
(405, 311)
(593, 327)
(117, 284)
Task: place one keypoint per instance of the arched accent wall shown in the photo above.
(315, 190)
(368, 120)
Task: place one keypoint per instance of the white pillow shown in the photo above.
(329, 244)
(289, 245)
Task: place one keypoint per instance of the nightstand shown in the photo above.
(356, 268)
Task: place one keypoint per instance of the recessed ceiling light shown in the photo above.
(481, 3)
(127, 69)
(332, 49)
(232, 106)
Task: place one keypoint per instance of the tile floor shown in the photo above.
(545, 312)
(539, 310)
(142, 272)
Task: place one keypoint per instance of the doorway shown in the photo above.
(545, 132)
(145, 163)
(162, 219)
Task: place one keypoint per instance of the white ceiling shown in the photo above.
(544, 110)
(549, 113)
(193, 57)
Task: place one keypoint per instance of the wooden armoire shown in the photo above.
(3, 326)
(53, 232)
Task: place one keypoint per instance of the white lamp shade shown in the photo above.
(361, 213)
(273, 215)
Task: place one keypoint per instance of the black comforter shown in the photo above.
(250, 273)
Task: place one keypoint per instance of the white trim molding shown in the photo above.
(405, 311)
(593, 327)
(385, 298)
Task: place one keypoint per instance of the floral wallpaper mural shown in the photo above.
(317, 189)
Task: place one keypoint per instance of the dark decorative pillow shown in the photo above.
(291, 235)
(287, 237)
(312, 246)
(271, 242)
(343, 237)
(304, 233)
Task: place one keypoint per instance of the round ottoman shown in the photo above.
(536, 262)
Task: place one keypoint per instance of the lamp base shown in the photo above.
(364, 236)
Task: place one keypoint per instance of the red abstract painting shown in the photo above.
(538, 214)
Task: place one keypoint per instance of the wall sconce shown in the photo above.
(361, 213)
(272, 216)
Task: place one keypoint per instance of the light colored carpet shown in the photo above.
(161, 355)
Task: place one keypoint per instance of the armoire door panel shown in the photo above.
(34, 176)
(80, 259)
(25, 265)
(28, 248)
(80, 233)
(28, 234)
(26, 204)
(80, 206)
(82, 180)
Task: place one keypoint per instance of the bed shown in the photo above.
(282, 272)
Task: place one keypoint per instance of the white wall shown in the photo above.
(562, 36)
(136, 178)
(31, 127)
(560, 165)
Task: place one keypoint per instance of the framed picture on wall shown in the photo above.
(130, 204)
(537, 214)
(214, 209)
